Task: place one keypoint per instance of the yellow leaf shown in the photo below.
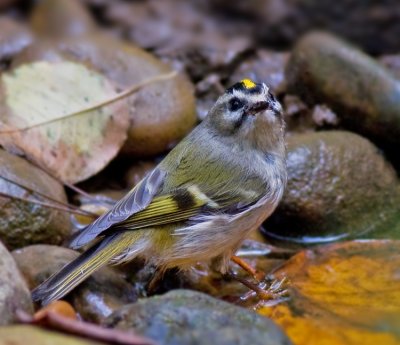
(342, 294)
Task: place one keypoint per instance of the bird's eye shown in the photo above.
(235, 104)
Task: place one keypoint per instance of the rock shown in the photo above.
(265, 66)
(23, 223)
(13, 39)
(339, 186)
(61, 18)
(95, 299)
(160, 115)
(21, 334)
(363, 94)
(189, 317)
(14, 294)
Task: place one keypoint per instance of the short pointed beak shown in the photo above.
(257, 107)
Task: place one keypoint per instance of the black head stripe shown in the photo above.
(244, 87)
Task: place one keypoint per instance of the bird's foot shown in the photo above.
(272, 291)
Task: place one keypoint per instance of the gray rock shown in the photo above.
(184, 317)
(339, 186)
(363, 94)
(14, 294)
(95, 299)
(23, 223)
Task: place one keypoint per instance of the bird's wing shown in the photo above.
(179, 205)
(135, 201)
(174, 193)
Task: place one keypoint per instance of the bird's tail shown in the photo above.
(72, 274)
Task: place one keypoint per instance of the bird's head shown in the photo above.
(249, 114)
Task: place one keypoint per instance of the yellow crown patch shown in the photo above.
(248, 83)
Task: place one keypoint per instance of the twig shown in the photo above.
(69, 185)
(53, 321)
(72, 207)
(45, 204)
(113, 99)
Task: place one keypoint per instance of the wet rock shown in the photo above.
(21, 334)
(14, 294)
(23, 223)
(61, 18)
(265, 66)
(13, 39)
(363, 94)
(188, 317)
(339, 186)
(95, 299)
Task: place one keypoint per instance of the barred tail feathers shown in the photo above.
(72, 274)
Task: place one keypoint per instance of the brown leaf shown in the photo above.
(342, 294)
(62, 308)
(77, 147)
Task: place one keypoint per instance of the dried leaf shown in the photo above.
(342, 294)
(74, 148)
(62, 308)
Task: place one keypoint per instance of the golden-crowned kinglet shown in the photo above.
(199, 203)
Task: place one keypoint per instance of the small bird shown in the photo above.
(219, 183)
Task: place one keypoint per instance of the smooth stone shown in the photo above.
(23, 223)
(339, 186)
(363, 94)
(183, 317)
(95, 299)
(61, 18)
(14, 294)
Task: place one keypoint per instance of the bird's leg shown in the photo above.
(275, 290)
(250, 270)
(152, 286)
(264, 290)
